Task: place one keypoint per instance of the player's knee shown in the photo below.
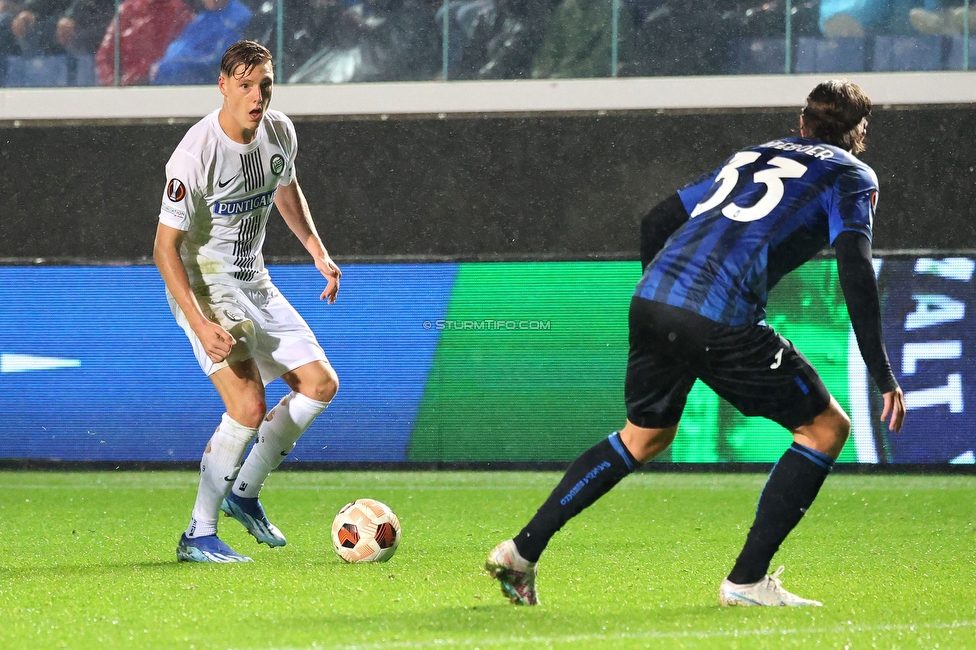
(251, 412)
(828, 432)
(325, 386)
(643, 443)
(843, 427)
(841, 431)
(838, 422)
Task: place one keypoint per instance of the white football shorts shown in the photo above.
(264, 324)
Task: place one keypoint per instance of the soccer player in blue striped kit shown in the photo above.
(711, 253)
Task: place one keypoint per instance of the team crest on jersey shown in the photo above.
(175, 190)
(277, 164)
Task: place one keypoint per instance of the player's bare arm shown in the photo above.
(217, 341)
(291, 203)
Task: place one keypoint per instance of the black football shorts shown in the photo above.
(751, 366)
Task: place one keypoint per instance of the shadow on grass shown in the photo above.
(499, 622)
(113, 569)
(89, 569)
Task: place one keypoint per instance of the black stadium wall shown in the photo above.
(510, 187)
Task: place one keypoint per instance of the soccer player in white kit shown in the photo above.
(221, 183)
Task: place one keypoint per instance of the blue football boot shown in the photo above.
(207, 548)
(250, 513)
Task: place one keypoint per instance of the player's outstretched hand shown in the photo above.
(217, 341)
(330, 272)
(894, 405)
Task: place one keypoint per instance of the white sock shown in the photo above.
(277, 436)
(219, 467)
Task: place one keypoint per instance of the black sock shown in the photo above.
(792, 486)
(590, 476)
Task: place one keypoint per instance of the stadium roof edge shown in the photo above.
(458, 98)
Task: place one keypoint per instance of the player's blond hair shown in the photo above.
(243, 53)
(837, 112)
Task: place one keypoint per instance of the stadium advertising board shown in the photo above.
(471, 362)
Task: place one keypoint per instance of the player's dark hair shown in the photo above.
(837, 113)
(246, 53)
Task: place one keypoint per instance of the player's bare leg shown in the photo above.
(645, 444)
(827, 433)
(790, 491)
(316, 380)
(313, 387)
(242, 390)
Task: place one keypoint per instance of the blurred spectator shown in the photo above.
(81, 29)
(669, 41)
(40, 27)
(669, 34)
(936, 19)
(856, 18)
(578, 44)
(8, 12)
(852, 18)
(494, 39)
(34, 26)
(377, 40)
(309, 25)
(767, 18)
(147, 28)
(194, 57)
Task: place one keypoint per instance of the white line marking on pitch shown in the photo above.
(536, 640)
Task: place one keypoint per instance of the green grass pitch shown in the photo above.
(88, 561)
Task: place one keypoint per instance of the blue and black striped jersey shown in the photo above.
(766, 211)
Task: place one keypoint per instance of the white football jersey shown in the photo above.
(220, 193)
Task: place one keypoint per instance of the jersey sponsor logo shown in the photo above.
(175, 190)
(222, 184)
(242, 206)
(277, 164)
(175, 211)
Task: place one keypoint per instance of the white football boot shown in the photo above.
(768, 592)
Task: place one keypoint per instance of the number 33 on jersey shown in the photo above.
(764, 212)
